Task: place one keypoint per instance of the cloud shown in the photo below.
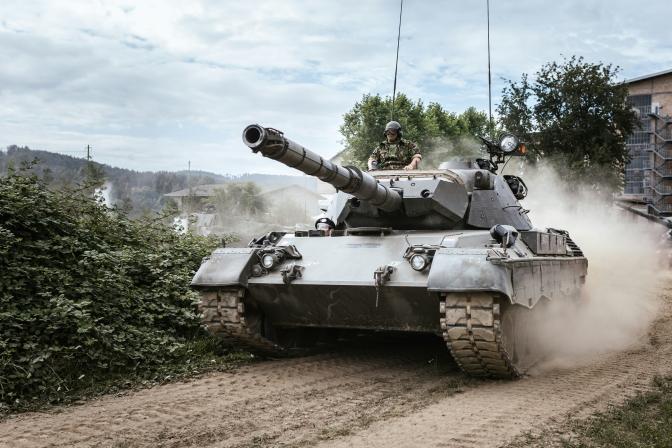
(155, 83)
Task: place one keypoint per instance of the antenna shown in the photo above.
(396, 63)
(489, 76)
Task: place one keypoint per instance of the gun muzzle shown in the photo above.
(273, 144)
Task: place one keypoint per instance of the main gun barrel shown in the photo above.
(273, 144)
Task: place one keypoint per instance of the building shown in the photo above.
(303, 204)
(296, 201)
(192, 198)
(648, 176)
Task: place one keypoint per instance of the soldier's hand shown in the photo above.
(409, 167)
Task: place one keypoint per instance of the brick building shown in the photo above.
(648, 176)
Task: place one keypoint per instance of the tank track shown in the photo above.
(223, 312)
(471, 325)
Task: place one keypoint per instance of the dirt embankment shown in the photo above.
(388, 394)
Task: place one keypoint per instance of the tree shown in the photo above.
(434, 129)
(575, 114)
(47, 176)
(235, 200)
(85, 289)
(94, 174)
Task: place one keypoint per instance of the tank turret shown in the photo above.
(404, 200)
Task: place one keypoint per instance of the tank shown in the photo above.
(449, 251)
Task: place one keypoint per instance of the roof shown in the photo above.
(208, 190)
(291, 187)
(338, 156)
(645, 77)
(197, 190)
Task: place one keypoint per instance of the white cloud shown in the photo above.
(153, 84)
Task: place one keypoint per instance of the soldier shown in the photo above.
(395, 152)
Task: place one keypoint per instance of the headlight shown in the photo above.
(508, 143)
(269, 260)
(419, 262)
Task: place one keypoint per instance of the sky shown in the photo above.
(153, 85)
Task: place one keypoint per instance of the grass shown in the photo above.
(644, 421)
(203, 355)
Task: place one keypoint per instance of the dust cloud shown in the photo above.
(104, 194)
(444, 149)
(620, 298)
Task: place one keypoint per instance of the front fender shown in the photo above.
(226, 267)
(459, 269)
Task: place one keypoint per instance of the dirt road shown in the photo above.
(401, 393)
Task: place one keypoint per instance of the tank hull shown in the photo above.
(337, 289)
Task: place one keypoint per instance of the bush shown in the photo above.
(86, 292)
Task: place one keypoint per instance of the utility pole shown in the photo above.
(189, 197)
(88, 152)
(189, 177)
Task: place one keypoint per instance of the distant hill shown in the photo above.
(138, 191)
(269, 181)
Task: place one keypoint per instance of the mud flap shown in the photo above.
(225, 267)
(546, 278)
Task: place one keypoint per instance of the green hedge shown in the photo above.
(86, 292)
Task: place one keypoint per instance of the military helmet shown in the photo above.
(393, 125)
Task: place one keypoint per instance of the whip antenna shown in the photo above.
(489, 76)
(396, 63)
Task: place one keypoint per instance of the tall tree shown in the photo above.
(234, 200)
(433, 128)
(573, 113)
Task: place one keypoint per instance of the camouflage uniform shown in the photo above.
(395, 155)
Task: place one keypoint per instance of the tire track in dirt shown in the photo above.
(386, 394)
(494, 414)
(296, 401)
